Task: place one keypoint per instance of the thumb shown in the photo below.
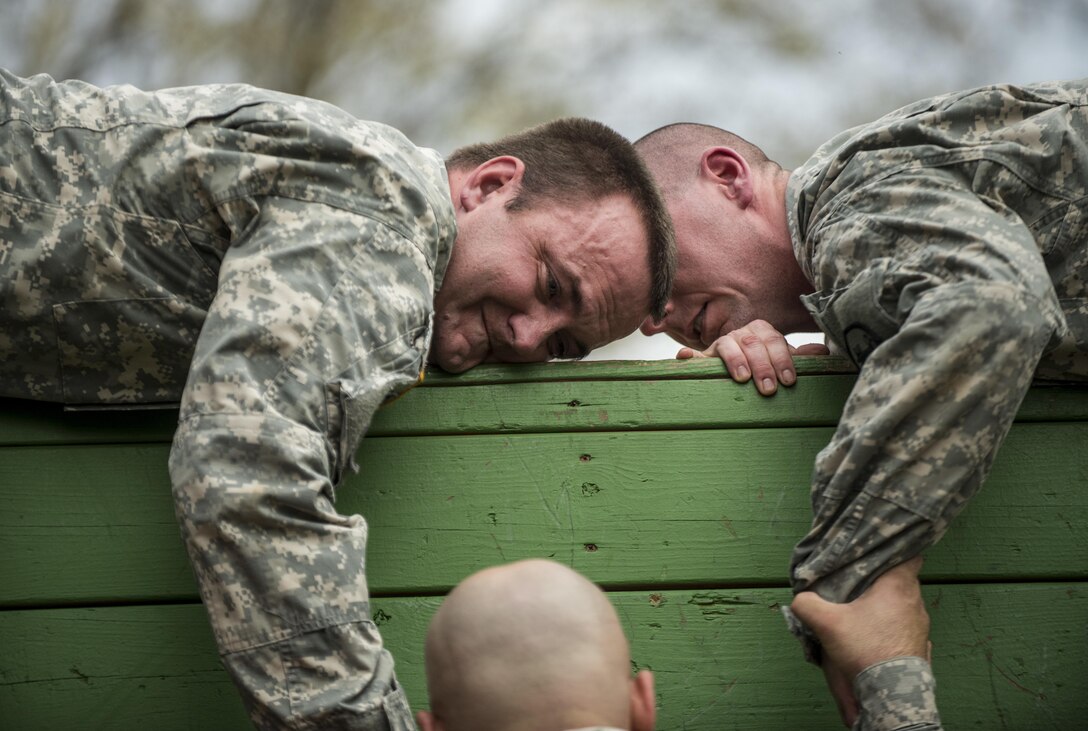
(686, 353)
(812, 609)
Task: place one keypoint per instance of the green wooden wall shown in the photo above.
(678, 491)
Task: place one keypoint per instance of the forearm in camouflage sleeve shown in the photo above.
(948, 305)
(949, 319)
(282, 574)
(299, 348)
(918, 434)
(897, 695)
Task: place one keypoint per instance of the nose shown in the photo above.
(653, 327)
(530, 336)
(649, 327)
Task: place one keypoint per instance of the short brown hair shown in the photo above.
(672, 153)
(574, 160)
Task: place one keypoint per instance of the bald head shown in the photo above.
(529, 646)
(673, 153)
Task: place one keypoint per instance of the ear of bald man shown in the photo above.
(531, 646)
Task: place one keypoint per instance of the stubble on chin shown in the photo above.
(441, 351)
(451, 349)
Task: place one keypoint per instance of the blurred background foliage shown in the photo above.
(786, 73)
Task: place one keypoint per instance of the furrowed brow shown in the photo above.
(574, 288)
(577, 301)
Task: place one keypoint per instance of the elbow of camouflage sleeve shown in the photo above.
(251, 493)
(1024, 320)
(231, 467)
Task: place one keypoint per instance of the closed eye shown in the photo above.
(553, 285)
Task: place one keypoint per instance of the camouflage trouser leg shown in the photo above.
(284, 381)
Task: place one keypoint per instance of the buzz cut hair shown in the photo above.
(672, 152)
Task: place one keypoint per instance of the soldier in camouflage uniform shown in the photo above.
(943, 247)
(275, 265)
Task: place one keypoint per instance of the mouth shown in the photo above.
(489, 349)
(697, 325)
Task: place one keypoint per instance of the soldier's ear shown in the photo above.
(643, 702)
(497, 179)
(728, 169)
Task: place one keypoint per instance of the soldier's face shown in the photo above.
(715, 290)
(552, 281)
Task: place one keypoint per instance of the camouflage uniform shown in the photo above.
(948, 246)
(289, 253)
(897, 694)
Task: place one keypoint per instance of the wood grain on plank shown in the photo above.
(636, 402)
(1006, 656)
(94, 524)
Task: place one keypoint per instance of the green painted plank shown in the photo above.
(30, 422)
(95, 523)
(699, 507)
(115, 668)
(574, 406)
(89, 524)
(613, 406)
(540, 407)
(619, 370)
(25, 422)
(1006, 656)
(549, 406)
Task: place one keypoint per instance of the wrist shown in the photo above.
(897, 691)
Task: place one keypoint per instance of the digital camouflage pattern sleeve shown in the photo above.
(289, 253)
(948, 245)
(897, 695)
